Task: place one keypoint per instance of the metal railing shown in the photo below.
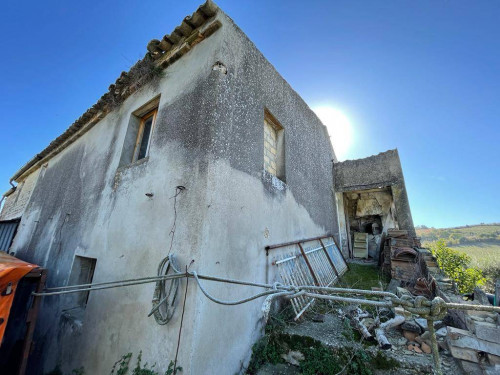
(317, 261)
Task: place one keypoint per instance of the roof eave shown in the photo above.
(162, 53)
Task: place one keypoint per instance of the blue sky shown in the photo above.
(422, 76)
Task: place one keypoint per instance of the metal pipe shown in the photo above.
(270, 247)
(296, 256)
(355, 301)
(352, 291)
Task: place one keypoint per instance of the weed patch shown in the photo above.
(382, 362)
(319, 359)
(122, 367)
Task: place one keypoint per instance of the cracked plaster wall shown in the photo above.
(208, 138)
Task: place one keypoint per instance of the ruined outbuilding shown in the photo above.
(201, 149)
(371, 197)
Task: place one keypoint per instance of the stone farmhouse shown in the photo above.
(201, 149)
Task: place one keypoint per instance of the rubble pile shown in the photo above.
(478, 346)
(410, 332)
(473, 338)
(331, 332)
(475, 346)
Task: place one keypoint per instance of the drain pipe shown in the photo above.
(8, 192)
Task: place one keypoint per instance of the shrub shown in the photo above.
(455, 265)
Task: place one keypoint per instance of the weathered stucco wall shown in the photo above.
(248, 209)
(208, 138)
(16, 203)
(376, 171)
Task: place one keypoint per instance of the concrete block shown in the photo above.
(488, 332)
(465, 339)
(462, 353)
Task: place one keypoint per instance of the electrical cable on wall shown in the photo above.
(178, 189)
(164, 297)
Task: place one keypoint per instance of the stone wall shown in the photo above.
(377, 171)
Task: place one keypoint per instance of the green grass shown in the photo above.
(361, 276)
(483, 254)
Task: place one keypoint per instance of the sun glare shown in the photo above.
(339, 129)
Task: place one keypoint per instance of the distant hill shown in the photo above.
(467, 235)
(481, 242)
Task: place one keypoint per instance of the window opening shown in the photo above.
(82, 272)
(144, 136)
(274, 150)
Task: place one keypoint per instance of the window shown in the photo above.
(274, 150)
(139, 132)
(144, 135)
(82, 272)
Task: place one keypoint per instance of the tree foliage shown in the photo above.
(455, 265)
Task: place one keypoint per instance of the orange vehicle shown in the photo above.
(16, 337)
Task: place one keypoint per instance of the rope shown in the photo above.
(434, 309)
(151, 278)
(115, 284)
(167, 285)
(230, 303)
